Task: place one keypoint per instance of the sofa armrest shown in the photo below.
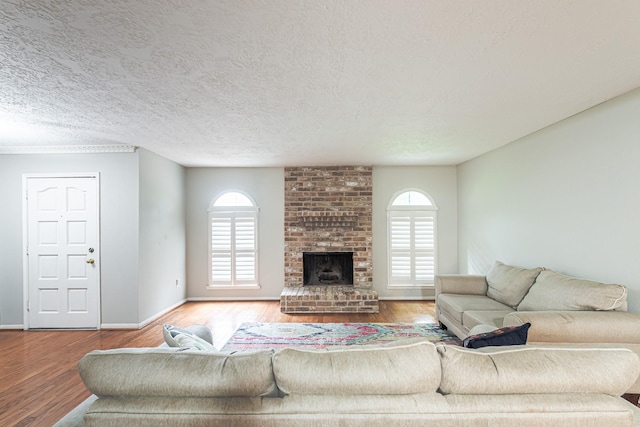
(578, 326)
(460, 284)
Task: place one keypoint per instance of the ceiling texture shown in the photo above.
(307, 82)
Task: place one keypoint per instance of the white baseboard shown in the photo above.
(404, 298)
(12, 327)
(162, 313)
(119, 326)
(144, 322)
(233, 298)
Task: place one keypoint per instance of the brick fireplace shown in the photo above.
(328, 211)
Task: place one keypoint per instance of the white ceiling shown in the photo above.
(307, 82)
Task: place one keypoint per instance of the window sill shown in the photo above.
(402, 287)
(231, 287)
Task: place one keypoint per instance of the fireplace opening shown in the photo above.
(327, 268)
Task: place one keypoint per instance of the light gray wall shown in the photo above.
(564, 198)
(266, 187)
(440, 183)
(162, 235)
(118, 229)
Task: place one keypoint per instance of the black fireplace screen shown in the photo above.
(327, 268)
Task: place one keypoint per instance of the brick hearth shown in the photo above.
(328, 299)
(328, 209)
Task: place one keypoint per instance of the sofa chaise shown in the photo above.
(406, 384)
(562, 310)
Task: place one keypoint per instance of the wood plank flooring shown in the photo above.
(39, 382)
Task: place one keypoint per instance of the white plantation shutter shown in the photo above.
(424, 255)
(233, 246)
(400, 248)
(412, 248)
(245, 248)
(221, 254)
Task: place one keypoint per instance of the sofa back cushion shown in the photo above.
(405, 369)
(508, 284)
(171, 372)
(556, 292)
(524, 369)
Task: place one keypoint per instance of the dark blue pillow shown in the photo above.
(511, 335)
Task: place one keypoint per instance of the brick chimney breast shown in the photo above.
(328, 209)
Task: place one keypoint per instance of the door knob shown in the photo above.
(90, 261)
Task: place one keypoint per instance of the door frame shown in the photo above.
(25, 239)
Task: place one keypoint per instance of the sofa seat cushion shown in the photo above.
(579, 326)
(565, 409)
(508, 284)
(433, 409)
(454, 305)
(553, 291)
(494, 318)
(524, 369)
(413, 368)
(129, 372)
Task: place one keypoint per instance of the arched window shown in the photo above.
(233, 241)
(412, 244)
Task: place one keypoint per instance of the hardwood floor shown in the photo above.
(39, 382)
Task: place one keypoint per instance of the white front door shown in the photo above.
(63, 268)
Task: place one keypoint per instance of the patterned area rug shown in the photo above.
(256, 336)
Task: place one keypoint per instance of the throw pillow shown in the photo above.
(179, 337)
(481, 329)
(193, 342)
(508, 285)
(511, 335)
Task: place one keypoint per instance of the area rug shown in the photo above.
(257, 336)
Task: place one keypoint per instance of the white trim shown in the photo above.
(232, 287)
(11, 327)
(403, 287)
(67, 149)
(119, 326)
(161, 313)
(25, 257)
(144, 322)
(234, 298)
(407, 298)
(25, 239)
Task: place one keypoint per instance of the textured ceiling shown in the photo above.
(308, 82)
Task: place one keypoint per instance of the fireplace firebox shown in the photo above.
(327, 268)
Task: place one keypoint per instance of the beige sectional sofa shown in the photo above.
(406, 384)
(562, 310)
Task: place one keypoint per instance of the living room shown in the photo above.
(549, 181)
(535, 180)
(561, 198)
